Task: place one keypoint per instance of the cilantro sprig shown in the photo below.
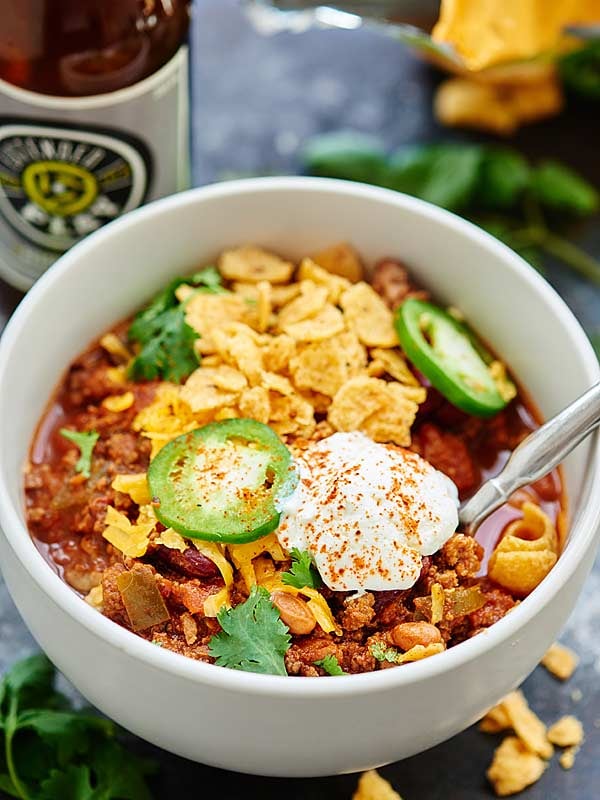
(331, 665)
(302, 572)
(525, 205)
(167, 341)
(48, 751)
(253, 637)
(85, 441)
(383, 653)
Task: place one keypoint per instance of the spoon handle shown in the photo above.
(535, 457)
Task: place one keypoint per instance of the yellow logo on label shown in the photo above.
(59, 188)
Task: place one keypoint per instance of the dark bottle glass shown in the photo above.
(93, 119)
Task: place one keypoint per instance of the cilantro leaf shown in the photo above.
(143, 326)
(580, 70)
(561, 189)
(168, 351)
(254, 638)
(161, 329)
(63, 730)
(49, 751)
(209, 277)
(32, 679)
(85, 441)
(503, 177)
(302, 572)
(74, 783)
(331, 665)
(383, 653)
(444, 174)
(348, 155)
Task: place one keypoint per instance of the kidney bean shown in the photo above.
(191, 562)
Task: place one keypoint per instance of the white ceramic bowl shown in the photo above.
(258, 723)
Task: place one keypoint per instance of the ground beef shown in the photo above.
(358, 612)
(446, 452)
(499, 603)
(391, 280)
(463, 553)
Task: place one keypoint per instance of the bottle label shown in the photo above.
(70, 165)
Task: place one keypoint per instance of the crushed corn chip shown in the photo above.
(527, 725)
(281, 295)
(119, 402)
(395, 365)
(495, 720)
(327, 323)
(277, 352)
(324, 367)
(263, 305)
(291, 415)
(208, 388)
(131, 540)
(206, 313)
(371, 786)
(135, 485)
(340, 259)
(526, 553)
(237, 346)
(310, 301)
(334, 284)
(254, 404)
(514, 767)
(567, 758)
(367, 314)
(252, 264)
(566, 732)
(384, 411)
(560, 661)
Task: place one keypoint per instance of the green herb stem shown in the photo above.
(10, 726)
(574, 256)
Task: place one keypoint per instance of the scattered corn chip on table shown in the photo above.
(251, 113)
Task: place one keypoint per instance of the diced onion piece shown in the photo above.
(142, 600)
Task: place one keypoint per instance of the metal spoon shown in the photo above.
(535, 457)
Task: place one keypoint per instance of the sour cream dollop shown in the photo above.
(367, 512)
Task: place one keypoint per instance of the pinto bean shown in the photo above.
(408, 634)
(294, 612)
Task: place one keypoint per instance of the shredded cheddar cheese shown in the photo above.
(131, 540)
(135, 485)
(119, 402)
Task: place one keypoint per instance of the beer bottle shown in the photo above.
(93, 120)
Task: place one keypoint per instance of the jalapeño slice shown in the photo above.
(222, 482)
(450, 356)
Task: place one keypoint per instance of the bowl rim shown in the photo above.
(583, 527)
